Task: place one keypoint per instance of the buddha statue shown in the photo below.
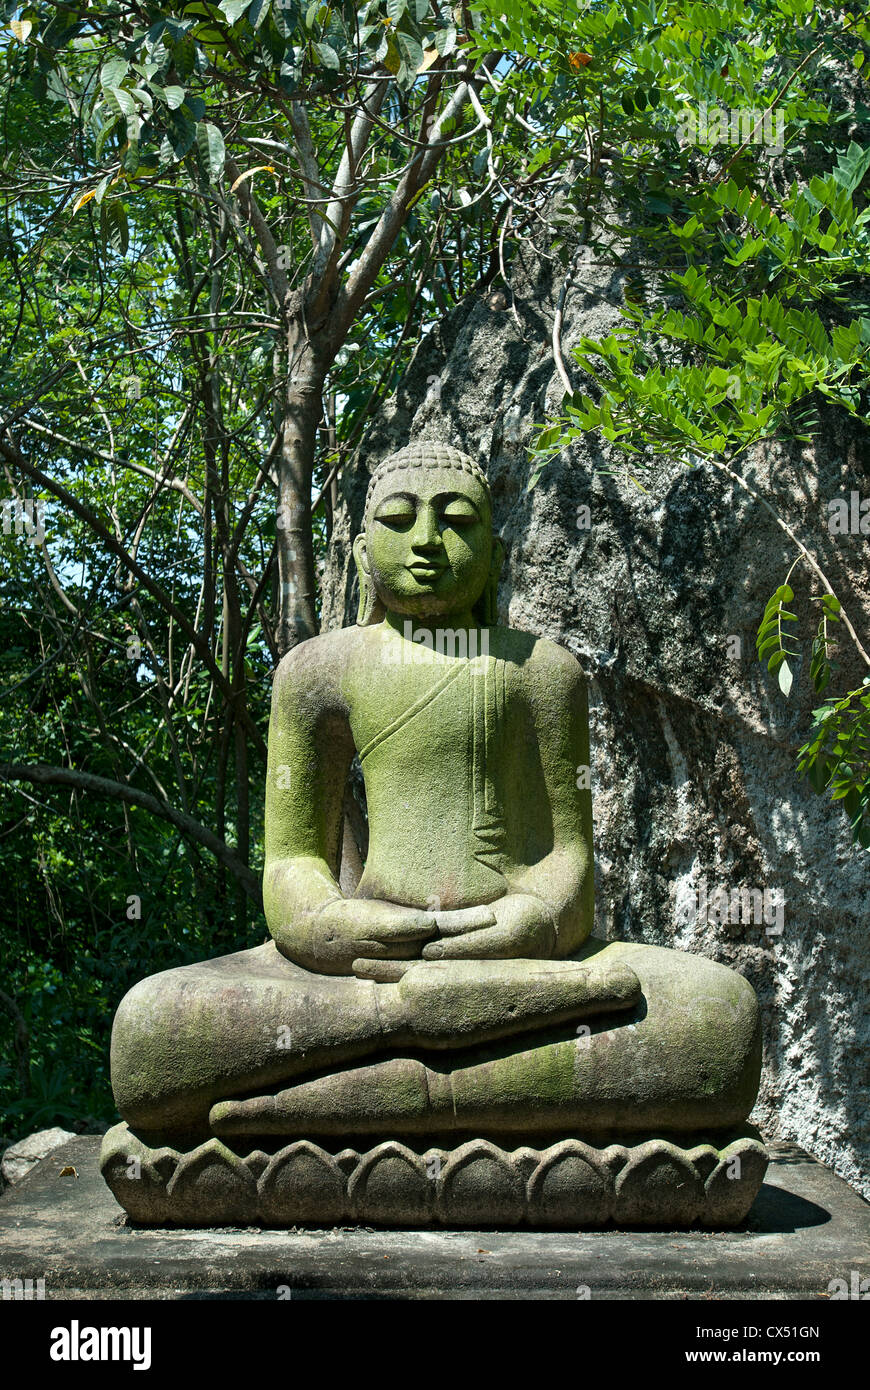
(440, 1039)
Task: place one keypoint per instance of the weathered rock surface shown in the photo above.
(19, 1158)
(693, 765)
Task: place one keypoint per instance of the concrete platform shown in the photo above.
(807, 1228)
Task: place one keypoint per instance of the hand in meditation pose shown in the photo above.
(455, 988)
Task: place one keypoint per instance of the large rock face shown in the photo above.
(693, 775)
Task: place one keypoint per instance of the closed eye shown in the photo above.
(396, 514)
(459, 516)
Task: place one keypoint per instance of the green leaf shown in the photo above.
(286, 14)
(120, 100)
(390, 57)
(113, 72)
(234, 9)
(257, 12)
(327, 55)
(131, 157)
(212, 151)
(852, 166)
(412, 51)
(785, 678)
(182, 135)
(445, 40)
(114, 226)
(184, 55)
(103, 136)
(549, 437)
(195, 107)
(767, 645)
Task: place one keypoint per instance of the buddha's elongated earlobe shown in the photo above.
(370, 609)
(486, 608)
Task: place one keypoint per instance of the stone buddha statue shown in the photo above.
(438, 1040)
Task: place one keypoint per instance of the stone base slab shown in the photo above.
(568, 1185)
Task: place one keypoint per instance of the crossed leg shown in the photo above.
(685, 1058)
(680, 1050)
(252, 1021)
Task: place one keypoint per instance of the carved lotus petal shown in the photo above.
(391, 1188)
(658, 1187)
(212, 1185)
(733, 1184)
(302, 1182)
(480, 1186)
(703, 1159)
(137, 1175)
(570, 1187)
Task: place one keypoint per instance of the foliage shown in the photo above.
(748, 309)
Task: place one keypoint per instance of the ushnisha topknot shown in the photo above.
(425, 453)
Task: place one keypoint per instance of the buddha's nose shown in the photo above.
(425, 535)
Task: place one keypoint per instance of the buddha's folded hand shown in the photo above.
(330, 939)
(523, 928)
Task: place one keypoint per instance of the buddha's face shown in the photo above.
(428, 543)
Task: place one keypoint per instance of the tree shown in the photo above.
(749, 306)
(368, 111)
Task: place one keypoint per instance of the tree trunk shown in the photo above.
(301, 417)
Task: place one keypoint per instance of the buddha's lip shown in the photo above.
(427, 568)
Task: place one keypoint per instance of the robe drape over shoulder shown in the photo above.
(440, 742)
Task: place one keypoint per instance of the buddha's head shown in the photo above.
(427, 548)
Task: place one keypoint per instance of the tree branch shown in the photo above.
(419, 170)
(251, 208)
(334, 223)
(307, 161)
(42, 774)
(17, 459)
